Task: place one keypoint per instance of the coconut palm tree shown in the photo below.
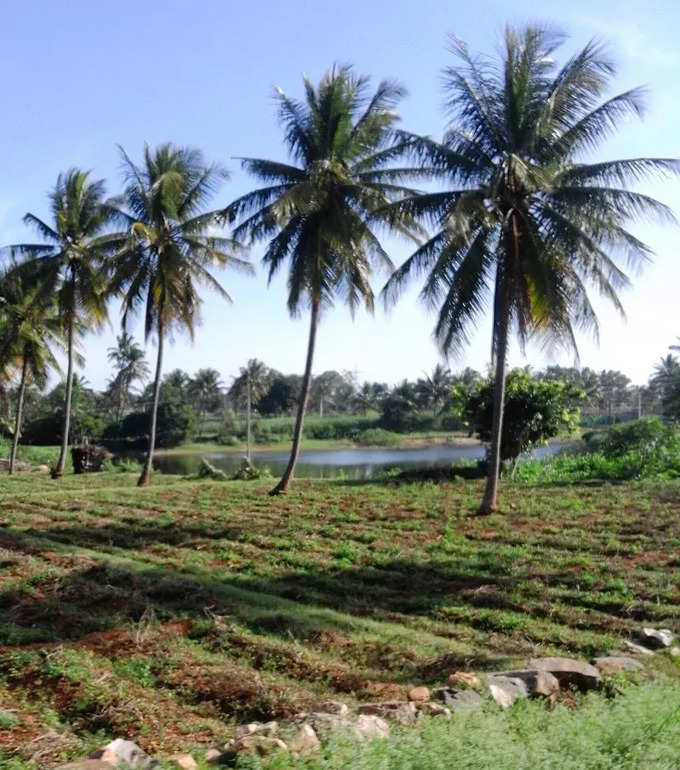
(435, 388)
(29, 330)
(523, 222)
(169, 249)
(318, 213)
(250, 385)
(72, 265)
(130, 365)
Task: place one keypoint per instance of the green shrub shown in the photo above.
(377, 437)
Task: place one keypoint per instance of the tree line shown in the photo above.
(513, 220)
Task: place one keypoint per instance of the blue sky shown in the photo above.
(81, 77)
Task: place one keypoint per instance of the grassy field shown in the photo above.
(171, 613)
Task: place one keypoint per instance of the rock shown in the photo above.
(430, 709)
(534, 682)
(402, 712)
(674, 652)
(637, 648)
(569, 672)
(305, 741)
(612, 664)
(656, 638)
(504, 698)
(331, 707)
(41, 468)
(120, 750)
(326, 724)
(456, 699)
(212, 755)
(370, 727)
(256, 728)
(254, 743)
(419, 694)
(184, 761)
(85, 764)
(506, 689)
(466, 678)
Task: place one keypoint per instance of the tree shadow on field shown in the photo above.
(378, 616)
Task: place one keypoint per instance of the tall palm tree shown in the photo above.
(250, 385)
(523, 221)
(72, 265)
(29, 330)
(169, 248)
(130, 365)
(318, 215)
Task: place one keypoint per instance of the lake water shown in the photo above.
(355, 463)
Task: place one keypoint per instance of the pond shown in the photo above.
(354, 463)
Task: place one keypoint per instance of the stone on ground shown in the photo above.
(85, 764)
(256, 728)
(456, 699)
(419, 694)
(535, 682)
(638, 648)
(369, 727)
(506, 689)
(656, 638)
(331, 707)
(121, 751)
(430, 709)
(616, 664)
(262, 745)
(466, 678)
(569, 672)
(305, 741)
(183, 761)
(402, 712)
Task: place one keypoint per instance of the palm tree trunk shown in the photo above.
(17, 421)
(490, 499)
(146, 471)
(58, 472)
(248, 408)
(282, 486)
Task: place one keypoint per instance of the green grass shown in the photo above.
(173, 612)
(35, 455)
(639, 729)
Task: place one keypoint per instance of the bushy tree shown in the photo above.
(535, 411)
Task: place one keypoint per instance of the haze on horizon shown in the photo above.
(159, 72)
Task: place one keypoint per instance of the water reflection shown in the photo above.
(358, 463)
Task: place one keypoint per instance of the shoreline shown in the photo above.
(320, 445)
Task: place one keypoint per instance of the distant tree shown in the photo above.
(169, 249)
(613, 391)
(319, 215)
(399, 407)
(328, 390)
(524, 225)
(130, 367)
(206, 391)
(665, 381)
(281, 396)
(434, 389)
(365, 399)
(72, 266)
(29, 332)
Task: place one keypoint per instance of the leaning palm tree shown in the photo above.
(72, 266)
(523, 221)
(317, 214)
(29, 330)
(169, 249)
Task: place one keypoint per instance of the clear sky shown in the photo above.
(82, 76)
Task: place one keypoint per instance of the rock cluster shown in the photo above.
(303, 734)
